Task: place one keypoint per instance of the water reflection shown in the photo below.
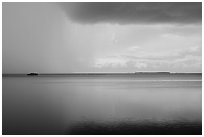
(59, 105)
(136, 128)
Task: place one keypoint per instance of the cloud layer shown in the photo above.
(134, 13)
(38, 37)
(181, 59)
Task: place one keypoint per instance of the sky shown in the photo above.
(101, 37)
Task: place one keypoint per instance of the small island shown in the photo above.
(32, 74)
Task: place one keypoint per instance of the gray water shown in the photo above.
(54, 104)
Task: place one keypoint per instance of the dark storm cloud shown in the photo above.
(134, 12)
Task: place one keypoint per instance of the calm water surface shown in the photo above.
(56, 104)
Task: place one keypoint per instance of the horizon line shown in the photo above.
(164, 72)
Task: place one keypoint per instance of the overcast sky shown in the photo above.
(101, 37)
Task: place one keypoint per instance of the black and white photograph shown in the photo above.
(102, 68)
